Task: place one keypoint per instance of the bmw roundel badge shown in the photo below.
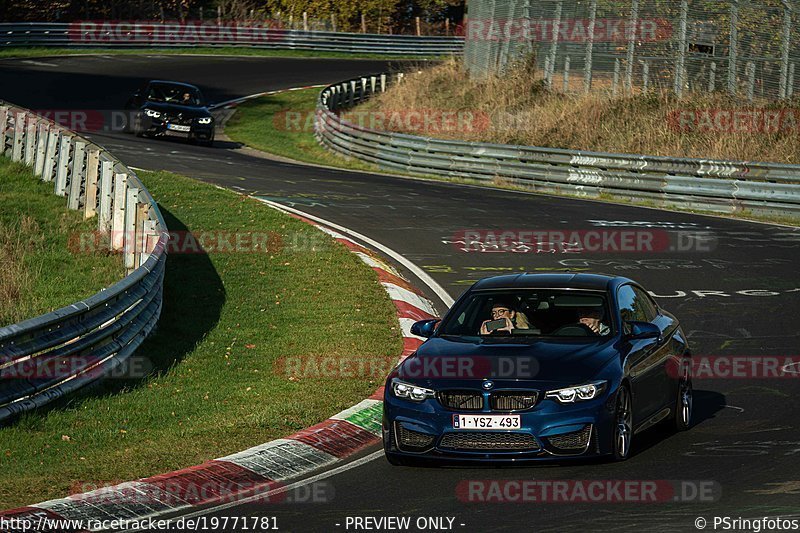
(488, 384)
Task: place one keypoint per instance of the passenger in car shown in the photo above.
(502, 310)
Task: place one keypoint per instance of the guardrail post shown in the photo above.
(149, 241)
(50, 154)
(118, 211)
(77, 176)
(19, 133)
(383, 83)
(90, 201)
(4, 113)
(372, 81)
(352, 99)
(30, 139)
(41, 145)
(141, 234)
(129, 227)
(106, 183)
(363, 88)
(63, 165)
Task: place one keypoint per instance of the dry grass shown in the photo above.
(16, 242)
(517, 109)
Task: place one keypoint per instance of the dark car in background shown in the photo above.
(539, 367)
(170, 108)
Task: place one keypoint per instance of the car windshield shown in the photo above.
(530, 313)
(174, 94)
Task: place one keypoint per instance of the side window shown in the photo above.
(635, 305)
(648, 305)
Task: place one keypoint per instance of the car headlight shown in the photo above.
(204, 120)
(407, 391)
(152, 113)
(578, 393)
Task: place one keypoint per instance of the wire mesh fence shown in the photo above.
(747, 49)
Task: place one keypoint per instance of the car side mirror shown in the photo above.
(424, 328)
(642, 330)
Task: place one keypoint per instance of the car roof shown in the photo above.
(180, 83)
(556, 280)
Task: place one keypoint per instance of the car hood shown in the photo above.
(187, 111)
(545, 362)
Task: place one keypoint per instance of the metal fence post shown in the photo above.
(680, 63)
(565, 85)
(751, 80)
(790, 87)
(63, 165)
(734, 42)
(106, 183)
(712, 77)
(645, 76)
(19, 133)
(634, 21)
(383, 83)
(615, 80)
(90, 200)
(554, 34)
(786, 40)
(587, 61)
(77, 176)
(118, 211)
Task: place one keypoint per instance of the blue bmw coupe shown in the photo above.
(539, 367)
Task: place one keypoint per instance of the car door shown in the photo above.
(647, 358)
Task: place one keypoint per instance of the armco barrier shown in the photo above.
(47, 357)
(764, 189)
(165, 35)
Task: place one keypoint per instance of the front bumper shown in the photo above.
(550, 432)
(157, 126)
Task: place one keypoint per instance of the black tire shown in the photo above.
(684, 403)
(622, 430)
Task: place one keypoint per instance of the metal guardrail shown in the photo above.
(155, 35)
(47, 357)
(764, 189)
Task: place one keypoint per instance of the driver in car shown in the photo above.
(591, 317)
(504, 311)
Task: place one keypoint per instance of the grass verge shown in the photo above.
(215, 386)
(7, 53)
(518, 109)
(283, 124)
(39, 271)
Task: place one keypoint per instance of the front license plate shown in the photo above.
(178, 127)
(486, 422)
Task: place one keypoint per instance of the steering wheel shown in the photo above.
(574, 330)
